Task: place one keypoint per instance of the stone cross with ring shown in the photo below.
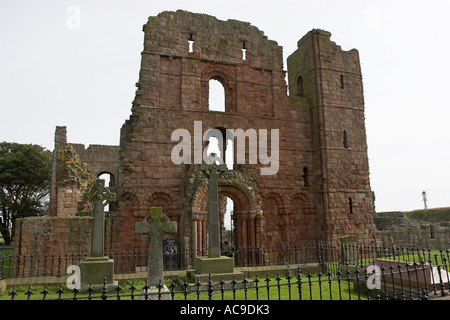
(160, 227)
(100, 196)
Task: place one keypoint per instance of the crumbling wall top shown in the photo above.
(170, 34)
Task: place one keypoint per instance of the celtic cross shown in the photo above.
(213, 172)
(159, 228)
(100, 196)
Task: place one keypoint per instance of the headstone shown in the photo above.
(98, 267)
(160, 227)
(171, 254)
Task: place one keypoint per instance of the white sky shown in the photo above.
(79, 71)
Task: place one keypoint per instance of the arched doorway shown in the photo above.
(244, 222)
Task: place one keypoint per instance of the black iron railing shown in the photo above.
(394, 282)
(330, 257)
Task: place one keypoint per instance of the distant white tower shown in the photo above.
(424, 197)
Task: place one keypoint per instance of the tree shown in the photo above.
(25, 175)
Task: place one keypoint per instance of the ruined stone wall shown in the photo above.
(321, 191)
(49, 235)
(173, 93)
(308, 199)
(41, 241)
(393, 228)
(73, 169)
(100, 159)
(428, 236)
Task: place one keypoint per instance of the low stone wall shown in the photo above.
(43, 235)
(40, 240)
(432, 236)
(395, 229)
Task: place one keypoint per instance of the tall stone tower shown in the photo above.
(331, 80)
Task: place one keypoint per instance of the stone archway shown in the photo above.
(238, 186)
(274, 219)
(247, 228)
(245, 221)
(302, 213)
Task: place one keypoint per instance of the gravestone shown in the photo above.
(214, 263)
(98, 267)
(171, 254)
(160, 227)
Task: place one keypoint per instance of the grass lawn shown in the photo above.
(435, 256)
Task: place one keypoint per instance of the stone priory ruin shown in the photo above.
(312, 118)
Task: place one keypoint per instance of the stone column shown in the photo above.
(205, 235)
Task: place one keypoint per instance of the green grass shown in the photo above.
(6, 262)
(437, 258)
(311, 289)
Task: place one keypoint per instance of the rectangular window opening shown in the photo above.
(191, 43)
(305, 177)
(244, 54)
(345, 139)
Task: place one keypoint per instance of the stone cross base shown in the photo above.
(220, 268)
(206, 265)
(93, 270)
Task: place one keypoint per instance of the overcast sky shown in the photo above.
(75, 64)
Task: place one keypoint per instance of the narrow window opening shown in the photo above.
(305, 177)
(216, 96)
(244, 51)
(228, 232)
(191, 43)
(300, 86)
(218, 144)
(214, 147)
(345, 139)
(229, 154)
(109, 182)
(342, 81)
(350, 205)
